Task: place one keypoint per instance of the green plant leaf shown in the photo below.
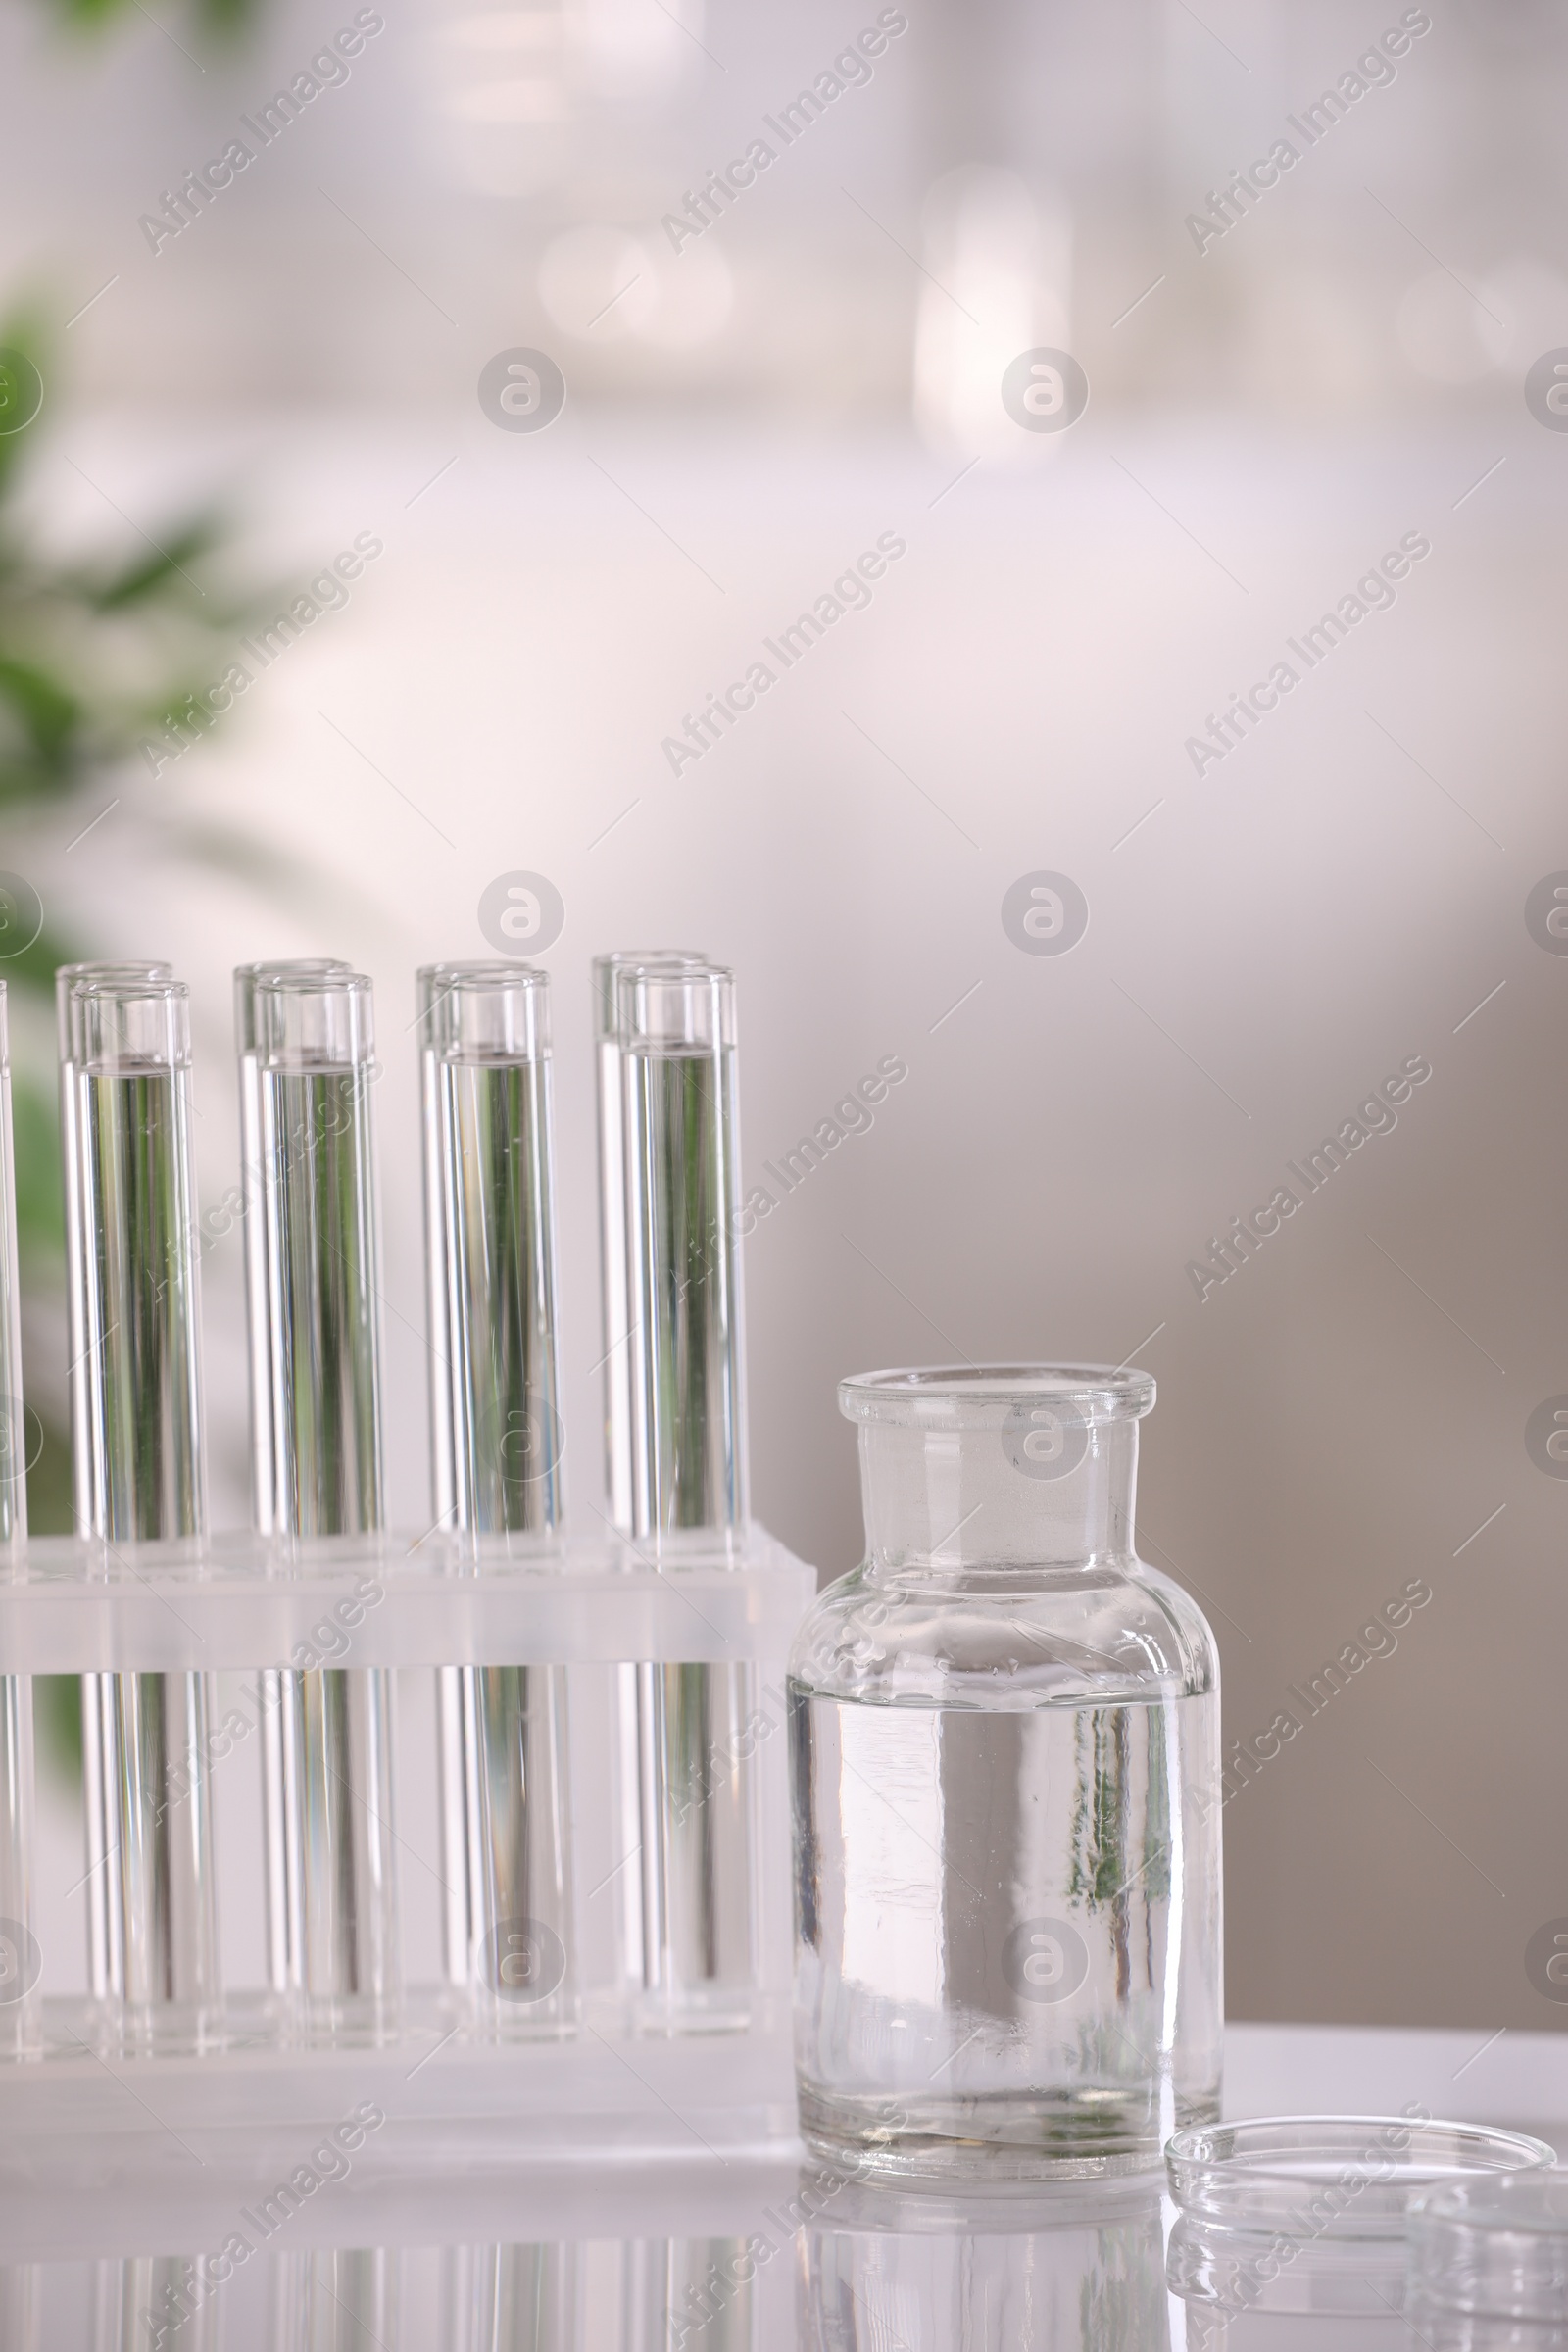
(161, 570)
(49, 711)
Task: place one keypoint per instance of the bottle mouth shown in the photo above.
(955, 1397)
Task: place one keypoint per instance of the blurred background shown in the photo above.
(216, 388)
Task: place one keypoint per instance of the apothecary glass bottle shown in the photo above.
(1005, 1749)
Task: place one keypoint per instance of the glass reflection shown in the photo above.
(1067, 2270)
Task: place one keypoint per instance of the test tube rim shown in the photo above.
(355, 987)
(717, 979)
(607, 968)
(128, 985)
(248, 977)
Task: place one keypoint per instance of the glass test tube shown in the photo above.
(66, 978)
(317, 1440)
(247, 977)
(333, 2299)
(519, 2299)
(692, 1932)
(137, 1435)
(21, 2003)
(490, 1231)
(618, 1310)
(98, 1800)
(263, 1450)
(153, 2299)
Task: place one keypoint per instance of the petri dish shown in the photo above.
(1495, 2248)
(1340, 2176)
(1307, 2213)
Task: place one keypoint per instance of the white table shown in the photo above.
(593, 2258)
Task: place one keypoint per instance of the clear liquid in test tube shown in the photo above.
(66, 978)
(265, 1442)
(20, 1961)
(490, 1226)
(687, 1730)
(136, 1408)
(618, 1307)
(258, 1325)
(317, 1440)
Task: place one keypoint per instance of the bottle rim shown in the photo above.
(974, 1395)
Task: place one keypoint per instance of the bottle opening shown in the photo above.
(987, 1395)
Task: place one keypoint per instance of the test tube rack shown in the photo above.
(610, 1875)
(603, 2082)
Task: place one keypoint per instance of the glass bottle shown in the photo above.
(1005, 1746)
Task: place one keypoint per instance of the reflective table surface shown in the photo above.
(359, 2246)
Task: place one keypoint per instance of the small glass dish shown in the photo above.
(1308, 2213)
(1487, 2260)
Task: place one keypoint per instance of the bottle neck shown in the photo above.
(1033, 1494)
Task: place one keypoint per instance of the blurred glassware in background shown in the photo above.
(620, 285)
(995, 281)
(516, 85)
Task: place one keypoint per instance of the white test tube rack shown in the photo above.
(452, 2090)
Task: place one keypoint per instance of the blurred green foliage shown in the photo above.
(222, 20)
(95, 650)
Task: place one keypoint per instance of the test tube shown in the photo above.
(519, 2299)
(66, 978)
(691, 1901)
(257, 1316)
(336, 2299)
(490, 1230)
(618, 1310)
(137, 1435)
(317, 1440)
(264, 1448)
(21, 2003)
